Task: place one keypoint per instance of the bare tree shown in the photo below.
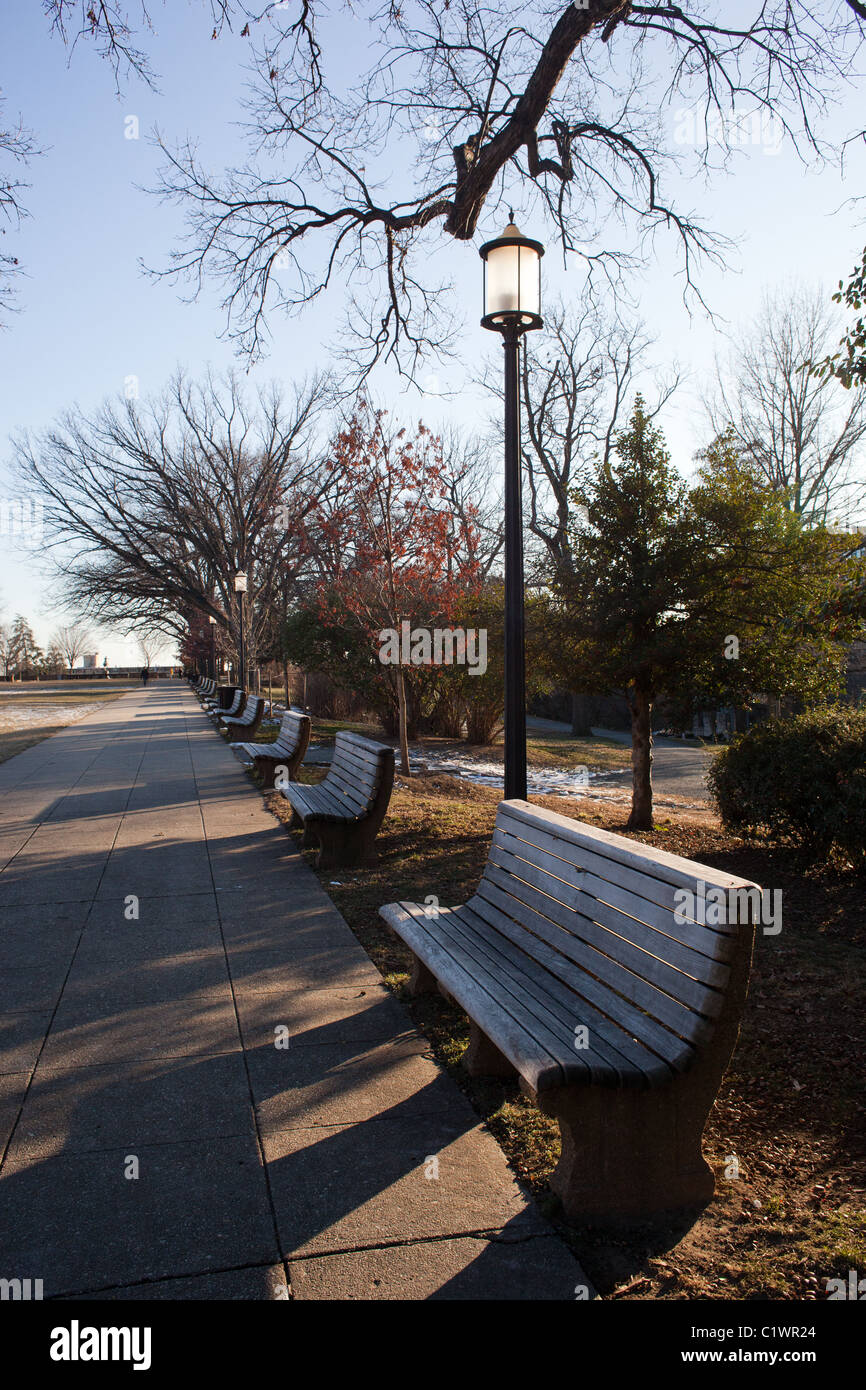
(17, 148)
(151, 510)
(802, 433)
(116, 28)
(559, 107)
(72, 639)
(117, 31)
(473, 494)
(150, 644)
(575, 386)
(8, 649)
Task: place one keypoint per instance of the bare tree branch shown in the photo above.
(804, 434)
(562, 108)
(150, 511)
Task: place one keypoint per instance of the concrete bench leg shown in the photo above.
(421, 979)
(482, 1057)
(266, 768)
(630, 1155)
(346, 846)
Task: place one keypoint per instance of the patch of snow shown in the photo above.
(547, 781)
(594, 786)
(33, 716)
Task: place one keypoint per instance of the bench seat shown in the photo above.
(343, 813)
(287, 750)
(618, 1011)
(220, 711)
(248, 720)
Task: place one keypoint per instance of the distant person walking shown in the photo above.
(145, 673)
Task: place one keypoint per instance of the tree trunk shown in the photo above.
(641, 817)
(286, 683)
(404, 741)
(580, 716)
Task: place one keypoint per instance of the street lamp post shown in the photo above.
(212, 622)
(512, 306)
(240, 590)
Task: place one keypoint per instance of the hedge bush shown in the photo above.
(801, 779)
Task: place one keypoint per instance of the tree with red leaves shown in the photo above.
(398, 550)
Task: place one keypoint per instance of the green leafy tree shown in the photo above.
(714, 589)
(849, 364)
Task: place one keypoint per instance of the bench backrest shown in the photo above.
(294, 731)
(228, 697)
(253, 710)
(236, 702)
(359, 770)
(633, 931)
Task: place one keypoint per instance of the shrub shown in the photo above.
(801, 779)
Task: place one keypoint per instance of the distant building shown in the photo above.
(89, 661)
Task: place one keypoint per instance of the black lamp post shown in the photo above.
(212, 622)
(512, 306)
(240, 590)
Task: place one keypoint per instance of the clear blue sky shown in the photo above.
(89, 318)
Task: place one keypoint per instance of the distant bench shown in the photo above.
(247, 720)
(619, 1018)
(344, 812)
(225, 706)
(286, 751)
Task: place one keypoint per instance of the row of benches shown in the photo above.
(343, 813)
(579, 975)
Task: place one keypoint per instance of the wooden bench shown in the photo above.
(618, 1018)
(286, 753)
(225, 696)
(248, 721)
(343, 813)
(220, 711)
(204, 688)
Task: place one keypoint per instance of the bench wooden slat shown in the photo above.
(640, 949)
(611, 1049)
(514, 1035)
(657, 863)
(361, 746)
(649, 1015)
(319, 802)
(547, 849)
(514, 992)
(342, 804)
(366, 775)
(342, 783)
(631, 1003)
(351, 755)
(366, 782)
(309, 798)
(715, 945)
(274, 750)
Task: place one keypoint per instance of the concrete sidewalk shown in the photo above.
(160, 938)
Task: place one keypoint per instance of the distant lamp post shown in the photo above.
(240, 590)
(512, 306)
(212, 622)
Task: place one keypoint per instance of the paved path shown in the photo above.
(157, 1142)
